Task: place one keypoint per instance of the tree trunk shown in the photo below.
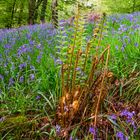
(43, 11)
(33, 10)
(55, 13)
(12, 14)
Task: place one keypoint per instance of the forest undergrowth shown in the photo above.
(79, 81)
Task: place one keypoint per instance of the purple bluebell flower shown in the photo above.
(21, 79)
(1, 77)
(113, 117)
(32, 42)
(11, 81)
(117, 47)
(122, 49)
(32, 67)
(58, 61)
(23, 49)
(123, 28)
(32, 76)
(126, 39)
(38, 97)
(92, 130)
(39, 58)
(121, 136)
(5, 64)
(7, 46)
(2, 119)
(70, 138)
(134, 126)
(78, 69)
(28, 36)
(127, 114)
(136, 44)
(58, 128)
(129, 117)
(38, 46)
(21, 66)
(124, 45)
(136, 26)
(130, 17)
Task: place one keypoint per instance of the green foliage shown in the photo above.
(119, 6)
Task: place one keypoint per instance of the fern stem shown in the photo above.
(102, 86)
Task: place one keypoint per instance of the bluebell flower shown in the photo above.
(127, 114)
(113, 117)
(58, 128)
(32, 76)
(21, 79)
(23, 49)
(1, 77)
(117, 47)
(58, 61)
(121, 136)
(31, 42)
(28, 36)
(7, 46)
(39, 58)
(92, 130)
(11, 81)
(38, 97)
(32, 67)
(122, 49)
(130, 17)
(78, 69)
(129, 117)
(2, 119)
(123, 28)
(136, 44)
(21, 66)
(38, 46)
(136, 26)
(134, 126)
(70, 138)
(124, 45)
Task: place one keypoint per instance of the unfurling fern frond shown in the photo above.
(82, 89)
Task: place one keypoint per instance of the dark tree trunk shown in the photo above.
(35, 15)
(12, 14)
(31, 12)
(55, 13)
(43, 11)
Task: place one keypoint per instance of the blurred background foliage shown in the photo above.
(15, 13)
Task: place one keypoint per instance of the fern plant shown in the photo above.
(84, 78)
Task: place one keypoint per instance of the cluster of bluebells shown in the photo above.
(23, 49)
(128, 117)
(120, 135)
(124, 27)
(21, 52)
